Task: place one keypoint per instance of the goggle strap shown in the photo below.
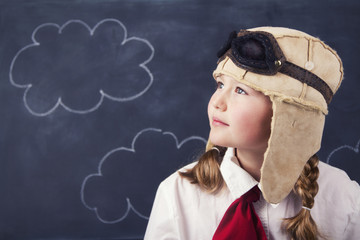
(307, 77)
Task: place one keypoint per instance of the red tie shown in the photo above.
(240, 221)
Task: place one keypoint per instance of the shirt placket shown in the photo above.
(261, 208)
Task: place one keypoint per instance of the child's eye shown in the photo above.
(239, 90)
(219, 85)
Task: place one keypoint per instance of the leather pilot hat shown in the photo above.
(300, 74)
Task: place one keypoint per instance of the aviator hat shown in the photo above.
(300, 74)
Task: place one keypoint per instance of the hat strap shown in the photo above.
(308, 78)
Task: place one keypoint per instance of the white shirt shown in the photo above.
(183, 211)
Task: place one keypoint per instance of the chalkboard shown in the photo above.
(101, 100)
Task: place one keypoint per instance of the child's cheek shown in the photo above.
(250, 124)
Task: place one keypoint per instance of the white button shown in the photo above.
(309, 65)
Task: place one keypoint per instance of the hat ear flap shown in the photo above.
(295, 136)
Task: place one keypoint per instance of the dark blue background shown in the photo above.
(49, 165)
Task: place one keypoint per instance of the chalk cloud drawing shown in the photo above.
(126, 175)
(347, 158)
(76, 67)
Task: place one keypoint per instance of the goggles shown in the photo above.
(259, 52)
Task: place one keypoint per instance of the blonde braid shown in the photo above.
(302, 225)
(206, 172)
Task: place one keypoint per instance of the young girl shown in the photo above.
(260, 177)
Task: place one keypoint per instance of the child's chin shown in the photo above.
(217, 142)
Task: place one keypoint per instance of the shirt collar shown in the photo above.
(236, 178)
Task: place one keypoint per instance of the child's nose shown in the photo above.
(220, 102)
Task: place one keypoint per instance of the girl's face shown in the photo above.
(239, 116)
